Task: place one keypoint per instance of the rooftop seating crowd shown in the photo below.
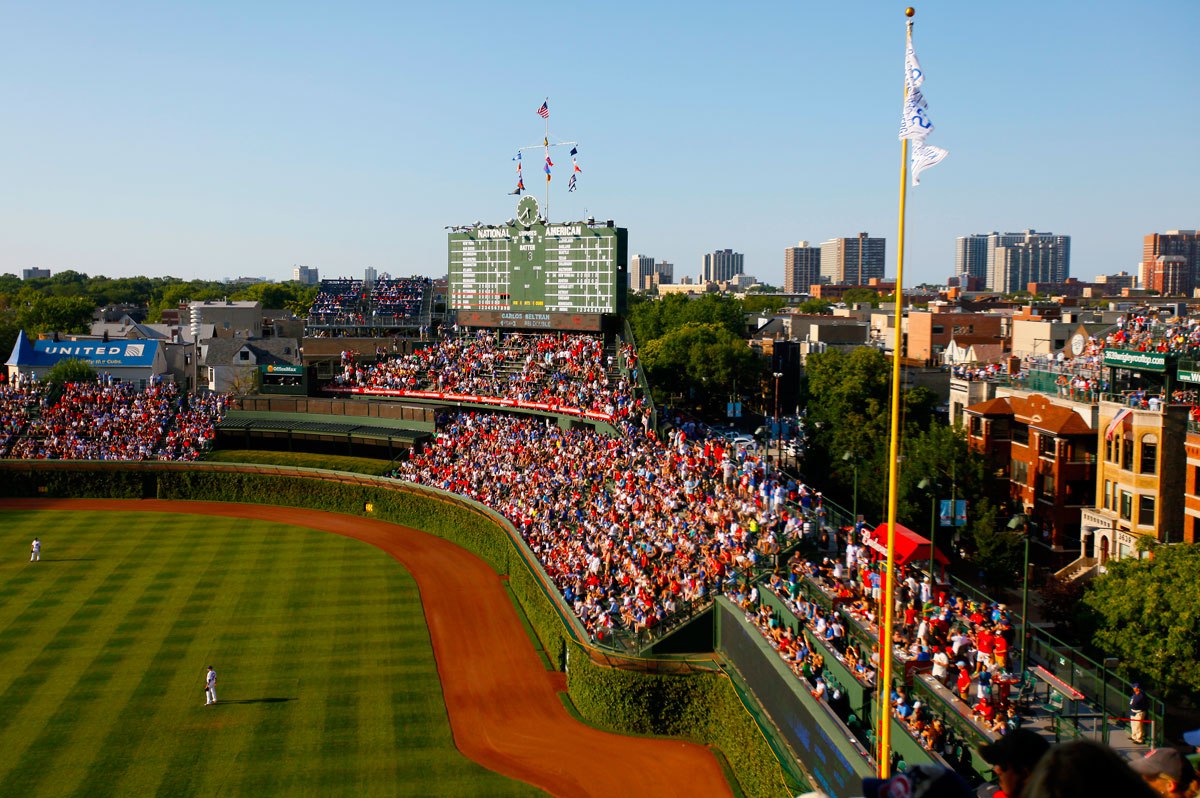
(103, 420)
(353, 302)
(558, 369)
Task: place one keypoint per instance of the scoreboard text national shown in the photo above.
(537, 274)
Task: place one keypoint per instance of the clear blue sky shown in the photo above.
(220, 139)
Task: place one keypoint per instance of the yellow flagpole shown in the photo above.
(883, 685)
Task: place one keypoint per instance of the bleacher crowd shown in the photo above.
(563, 370)
(105, 420)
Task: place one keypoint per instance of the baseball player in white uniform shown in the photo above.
(35, 551)
(210, 686)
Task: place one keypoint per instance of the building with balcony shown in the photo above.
(1046, 451)
(1140, 481)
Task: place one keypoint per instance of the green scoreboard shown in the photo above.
(532, 273)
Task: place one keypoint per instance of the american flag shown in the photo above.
(544, 111)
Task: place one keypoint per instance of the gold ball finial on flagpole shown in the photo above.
(909, 12)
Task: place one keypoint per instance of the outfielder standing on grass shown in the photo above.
(35, 551)
(210, 686)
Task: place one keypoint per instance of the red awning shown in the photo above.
(910, 547)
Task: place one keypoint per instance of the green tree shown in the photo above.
(758, 303)
(939, 454)
(69, 314)
(816, 307)
(997, 551)
(703, 360)
(70, 370)
(860, 295)
(654, 319)
(1147, 612)
(849, 404)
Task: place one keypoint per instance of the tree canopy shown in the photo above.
(654, 319)
(849, 411)
(705, 360)
(1147, 612)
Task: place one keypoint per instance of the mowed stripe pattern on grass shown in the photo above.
(327, 678)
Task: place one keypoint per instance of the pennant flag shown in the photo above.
(923, 157)
(915, 124)
(547, 175)
(518, 167)
(517, 190)
(1126, 416)
(549, 162)
(518, 158)
(575, 163)
(544, 111)
(574, 151)
(571, 183)
(546, 142)
(521, 183)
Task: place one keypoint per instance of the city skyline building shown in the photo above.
(1058, 271)
(1032, 261)
(801, 268)
(641, 272)
(854, 260)
(306, 275)
(971, 256)
(1170, 262)
(721, 265)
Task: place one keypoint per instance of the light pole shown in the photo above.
(923, 485)
(778, 429)
(1021, 521)
(852, 458)
(1106, 664)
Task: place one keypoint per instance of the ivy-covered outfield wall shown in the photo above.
(632, 696)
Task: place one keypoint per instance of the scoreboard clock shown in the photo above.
(536, 271)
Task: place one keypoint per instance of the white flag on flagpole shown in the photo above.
(915, 124)
(923, 157)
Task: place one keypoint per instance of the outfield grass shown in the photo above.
(333, 462)
(328, 684)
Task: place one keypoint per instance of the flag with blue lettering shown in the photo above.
(915, 124)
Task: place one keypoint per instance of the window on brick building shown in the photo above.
(1149, 458)
(1127, 452)
(1146, 510)
(1020, 433)
(1126, 506)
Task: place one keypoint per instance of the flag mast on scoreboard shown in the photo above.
(915, 127)
(544, 112)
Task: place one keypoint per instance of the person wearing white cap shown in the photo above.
(35, 551)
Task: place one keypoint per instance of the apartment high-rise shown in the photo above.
(641, 272)
(722, 265)
(971, 256)
(1058, 271)
(306, 275)
(1017, 265)
(666, 272)
(852, 261)
(801, 268)
(1171, 261)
